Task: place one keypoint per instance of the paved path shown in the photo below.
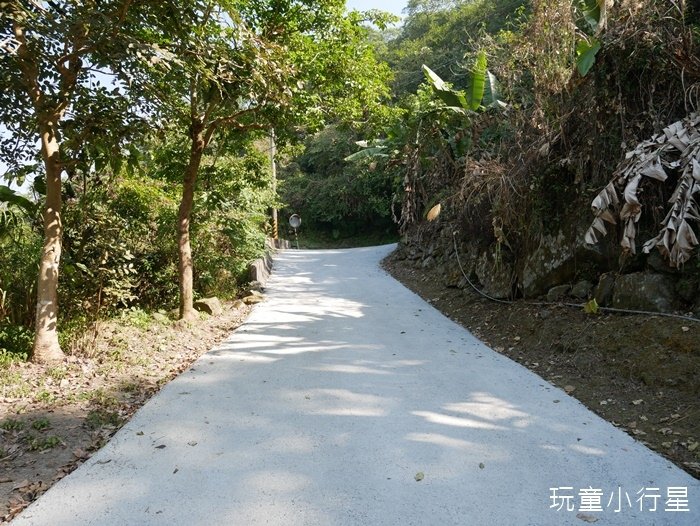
(322, 409)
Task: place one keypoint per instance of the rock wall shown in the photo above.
(558, 267)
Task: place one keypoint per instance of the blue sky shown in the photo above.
(393, 6)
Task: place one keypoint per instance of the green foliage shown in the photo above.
(115, 250)
(41, 443)
(338, 193)
(41, 423)
(11, 424)
(19, 256)
(439, 33)
(98, 418)
(15, 343)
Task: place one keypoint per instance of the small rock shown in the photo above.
(582, 289)
(253, 286)
(211, 306)
(604, 290)
(558, 293)
(568, 389)
(252, 299)
(238, 304)
(419, 476)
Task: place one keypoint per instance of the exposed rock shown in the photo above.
(657, 262)
(413, 253)
(556, 259)
(582, 290)
(253, 299)
(687, 289)
(238, 304)
(696, 309)
(253, 286)
(452, 275)
(551, 263)
(558, 293)
(495, 275)
(211, 306)
(644, 291)
(604, 290)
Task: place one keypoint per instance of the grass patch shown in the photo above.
(98, 418)
(42, 443)
(41, 423)
(100, 397)
(10, 424)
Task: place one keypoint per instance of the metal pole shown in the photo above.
(273, 153)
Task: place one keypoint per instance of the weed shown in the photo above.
(45, 396)
(100, 397)
(12, 425)
(128, 387)
(99, 417)
(57, 373)
(136, 317)
(41, 423)
(42, 443)
(12, 384)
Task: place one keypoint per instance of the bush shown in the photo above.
(334, 196)
(15, 343)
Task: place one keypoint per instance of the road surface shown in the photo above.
(345, 399)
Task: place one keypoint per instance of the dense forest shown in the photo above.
(135, 146)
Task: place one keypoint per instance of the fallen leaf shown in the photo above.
(21, 485)
(693, 446)
(587, 518)
(79, 453)
(192, 443)
(685, 329)
(481, 465)
(433, 213)
(162, 446)
(419, 476)
(637, 402)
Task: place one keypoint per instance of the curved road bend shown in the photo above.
(341, 390)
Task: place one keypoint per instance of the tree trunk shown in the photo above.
(187, 311)
(46, 347)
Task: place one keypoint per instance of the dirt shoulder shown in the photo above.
(642, 373)
(52, 419)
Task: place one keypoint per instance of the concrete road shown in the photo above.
(340, 391)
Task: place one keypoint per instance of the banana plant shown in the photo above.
(482, 88)
(594, 19)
